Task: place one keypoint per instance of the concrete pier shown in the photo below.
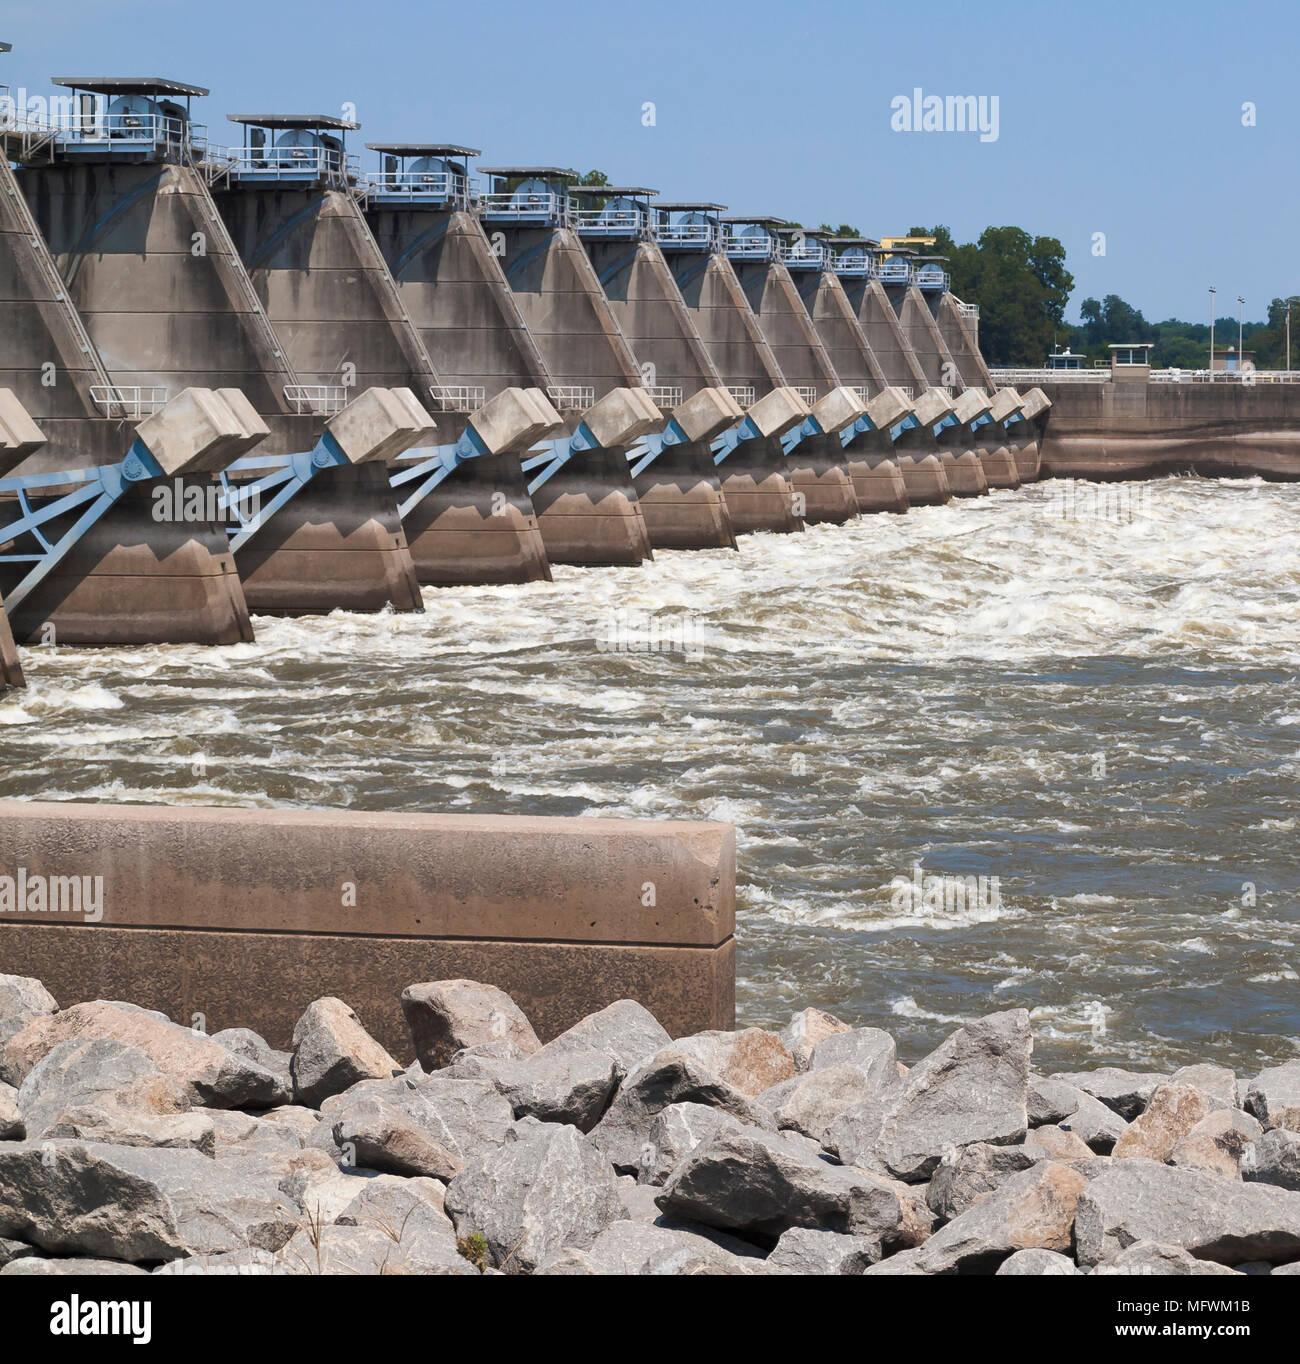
(479, 524)
(761, 255)
(588, 511)
(11, 668)
(286, 197)
(869, 457)
(755, 478)
(142, 570)
(244, 917)
(679, 491)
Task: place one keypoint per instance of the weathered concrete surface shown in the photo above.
(680, 493)
(754, 478)
(1123, 429)
(42, 327)
(246, 916)
(479, 525)
(961, 337)
(337, 545)
(922, 333)
(136, 580)
(123, 239)
(325, 287)
(923, 468)
(818, 468)
(884, 333)
(589, 513)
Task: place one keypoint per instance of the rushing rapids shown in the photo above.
(1036, 749)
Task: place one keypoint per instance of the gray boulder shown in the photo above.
(565, 1081)
(805, 1030)
(669, 1077)
(99, 1072)
(1126, 1092)
(674, 1133)
(805, 1250)
(1031, 1210)
(974, 1087)
(332, 1052)
(1097, 1126)
(1150, 1257)
(750, 1060)
(634, 1248)
(1207, 1215)
(208, 1073)
(12, 1127)
(757, 1185)
(35, 1265)
(1051, 1100)
(371, 1250)
(1035, 1261)
(445, 1015)
(22, 999)
(1273, 1096)
(811, 1102)
(870, 1049)
(1217, 1143)
(382, 1137)
(546, 1189)
(625, 1030)
(1274, 1159)
(245, 1042)
(1217, 1083)
(128, 1203)
(968, 1173)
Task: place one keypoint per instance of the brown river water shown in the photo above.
(1088, 701)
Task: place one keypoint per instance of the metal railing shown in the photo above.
(742, 393)
(525, 207)
(701, 236)
(894, 272)
(571, 397)
(970, 310)
(807, 392)
(1014, 377)
(418, 185)
(932, 279)
(612, 222)
(283, 163)
(811, 254)
(754, 246)
(665, 396)
(853, 264)
(457, 397)
(322, 400)
(863, 392)
(1225, 376)
(130, 403)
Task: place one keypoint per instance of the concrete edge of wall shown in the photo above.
(245, 916)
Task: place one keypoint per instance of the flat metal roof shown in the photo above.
(6, 47)
(128, 85)
(284, 121)
(761, 219)
(933, 258)
(1134, 345)
(898, 251)
(614, 191)
(810, 232)
(867, 243)
(689, 206)
(532, 172)
(423, 149)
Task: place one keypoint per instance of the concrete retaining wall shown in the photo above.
(246, 916)
(1144, 430)
(885, 335)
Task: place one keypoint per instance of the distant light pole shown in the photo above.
(1241, 309)
(1212, 293)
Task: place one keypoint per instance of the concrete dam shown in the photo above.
(376, 380)
(283, 373)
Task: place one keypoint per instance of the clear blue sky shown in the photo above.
(1122, 118)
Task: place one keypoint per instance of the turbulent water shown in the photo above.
(1094, 704)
